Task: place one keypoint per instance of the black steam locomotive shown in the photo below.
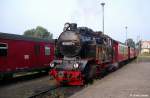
(81, 54)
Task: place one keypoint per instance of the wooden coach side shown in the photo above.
(19, 53)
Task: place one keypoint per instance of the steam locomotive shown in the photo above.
(83, 54)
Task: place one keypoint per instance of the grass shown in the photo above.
(143, 58)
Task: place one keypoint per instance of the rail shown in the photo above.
(43, 92)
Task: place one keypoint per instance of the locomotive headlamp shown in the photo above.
(52, 65)
(76, 65)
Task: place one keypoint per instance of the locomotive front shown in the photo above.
(67, 69)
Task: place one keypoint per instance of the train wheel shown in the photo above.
(90, 74)
(7, 76)
(113, 67)
(116, 66)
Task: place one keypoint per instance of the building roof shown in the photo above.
(145, 44)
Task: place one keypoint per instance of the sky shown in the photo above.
(16, 16)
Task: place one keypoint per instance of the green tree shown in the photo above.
(139, 45)
(29, 32)
(39, 32)
(130, 42)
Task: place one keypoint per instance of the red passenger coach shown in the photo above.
(132, 53)
(20, 54)
(122, 52)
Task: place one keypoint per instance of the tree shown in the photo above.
(130, 42)
(29, 32)
(139, 45)
(39, 32)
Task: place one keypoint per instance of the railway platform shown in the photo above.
(130, 81)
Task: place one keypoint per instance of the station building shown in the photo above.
(145, 47)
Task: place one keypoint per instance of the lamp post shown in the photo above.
(126, 33)
(103, 15)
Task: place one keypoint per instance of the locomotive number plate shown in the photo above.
(68, 43)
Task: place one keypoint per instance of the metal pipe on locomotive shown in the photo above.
(82, 55)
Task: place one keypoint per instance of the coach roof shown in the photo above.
(21, 37)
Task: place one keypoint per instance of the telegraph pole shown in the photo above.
(126, 33)
(102, 4)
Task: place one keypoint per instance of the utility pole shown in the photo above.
(102, 4)
(126, 33)
(138, 48)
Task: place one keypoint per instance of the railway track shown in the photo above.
(43, 91)
(40, 87)
(57, 92)
(21, 79)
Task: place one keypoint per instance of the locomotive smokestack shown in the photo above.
(73, 26)
(70, 27)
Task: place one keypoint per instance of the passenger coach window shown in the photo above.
(3, 49)
(47, 50)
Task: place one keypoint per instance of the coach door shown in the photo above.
(3, 56)
(43, 52)
(115, 51)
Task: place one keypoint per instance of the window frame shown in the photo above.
(6, 48)
(47, 50)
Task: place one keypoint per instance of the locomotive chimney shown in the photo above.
(73, 26)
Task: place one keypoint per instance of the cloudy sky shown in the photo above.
(16, 16)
